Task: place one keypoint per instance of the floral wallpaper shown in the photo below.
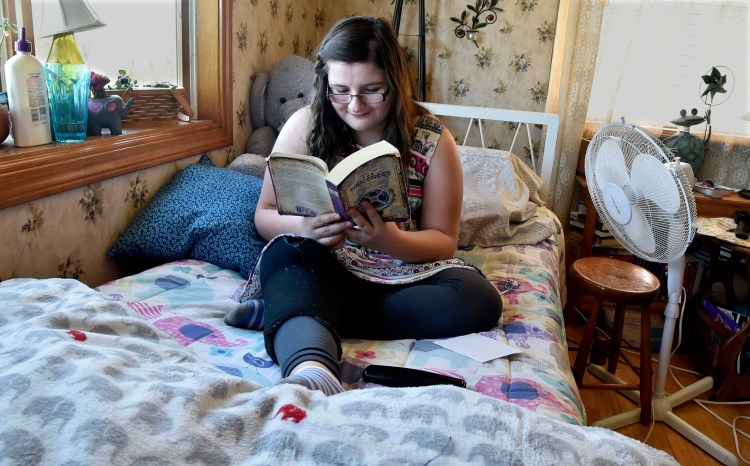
(506, 65)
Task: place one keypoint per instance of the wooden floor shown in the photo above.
(601, 404)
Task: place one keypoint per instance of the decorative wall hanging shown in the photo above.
(481, 7)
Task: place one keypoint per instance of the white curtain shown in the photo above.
(643, 60)
(653, 53)
(572, 73)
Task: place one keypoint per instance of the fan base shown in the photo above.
(662, 411)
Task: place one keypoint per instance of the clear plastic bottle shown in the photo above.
(28, 100)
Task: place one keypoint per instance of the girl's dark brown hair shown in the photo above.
(361, 39)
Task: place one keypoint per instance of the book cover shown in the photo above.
(304, 186)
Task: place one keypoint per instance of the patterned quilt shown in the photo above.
(188, 300)
(87, 380)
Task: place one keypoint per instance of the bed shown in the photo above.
(145, 370)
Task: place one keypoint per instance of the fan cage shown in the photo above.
(672, 232)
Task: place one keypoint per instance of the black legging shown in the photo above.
(300, 277)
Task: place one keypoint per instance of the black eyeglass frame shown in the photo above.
(383, 95)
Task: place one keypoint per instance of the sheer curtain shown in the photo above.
(643, 60)
(571, 77)
(652, 54)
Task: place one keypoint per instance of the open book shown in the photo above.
(304, 186)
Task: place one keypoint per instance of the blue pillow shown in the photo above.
(205, 213)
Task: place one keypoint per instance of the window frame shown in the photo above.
(28, 174)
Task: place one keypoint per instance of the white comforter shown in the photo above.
(85, 381)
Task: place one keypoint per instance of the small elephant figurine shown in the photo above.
(107, 113)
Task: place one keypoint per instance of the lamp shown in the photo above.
(64, 18)
(68, 76)
(69, 16)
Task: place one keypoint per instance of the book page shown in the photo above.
(300, 187)
(351, 162)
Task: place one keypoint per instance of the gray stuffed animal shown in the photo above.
(274, 97)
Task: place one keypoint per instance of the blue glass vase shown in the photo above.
(68, 88)
(68, 78)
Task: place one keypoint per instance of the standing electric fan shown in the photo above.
(644, 195)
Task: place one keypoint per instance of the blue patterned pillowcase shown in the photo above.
(205, 213)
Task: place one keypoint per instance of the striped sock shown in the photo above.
(315, 378)
(247, 315)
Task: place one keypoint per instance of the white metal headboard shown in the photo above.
(522, 118)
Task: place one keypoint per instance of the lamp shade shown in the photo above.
(62, 16)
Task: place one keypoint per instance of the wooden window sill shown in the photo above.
(31, 173)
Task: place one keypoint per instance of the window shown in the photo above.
(31, 173)
(653, 53)
(142, 41)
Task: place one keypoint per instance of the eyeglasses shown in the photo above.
(366, 97)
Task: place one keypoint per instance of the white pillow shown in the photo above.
(501, 198)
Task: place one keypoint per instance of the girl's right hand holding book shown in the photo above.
(327, 229)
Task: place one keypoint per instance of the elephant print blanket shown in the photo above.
(85, 380)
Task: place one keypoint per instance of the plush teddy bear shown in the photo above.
(274, 97)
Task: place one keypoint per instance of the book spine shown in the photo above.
(338, 203)
(719, 316)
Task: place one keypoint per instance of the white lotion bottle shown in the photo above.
(28, 100)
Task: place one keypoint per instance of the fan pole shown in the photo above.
(661, 404)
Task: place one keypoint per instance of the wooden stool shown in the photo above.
(624, 284)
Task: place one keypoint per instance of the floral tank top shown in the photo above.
(375, 266)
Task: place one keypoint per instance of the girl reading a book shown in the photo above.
(322, 277)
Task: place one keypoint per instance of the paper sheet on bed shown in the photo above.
(477, 347)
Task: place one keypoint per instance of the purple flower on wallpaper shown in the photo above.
(429, 24)
(263, 42)
(539, 92)
(507, 28)
(35, 222)
(500, 88)
(242, 114)
(295, 44)
(242, 37)
(137, 193)
(484, 58)
(70, 269)
(91, 203)
(459, 88)
(546, 32)
(445, 54)
(521, 63)
(274, 8)
(408, 53)
(320, 18)
(289, 13)
(527, 5)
